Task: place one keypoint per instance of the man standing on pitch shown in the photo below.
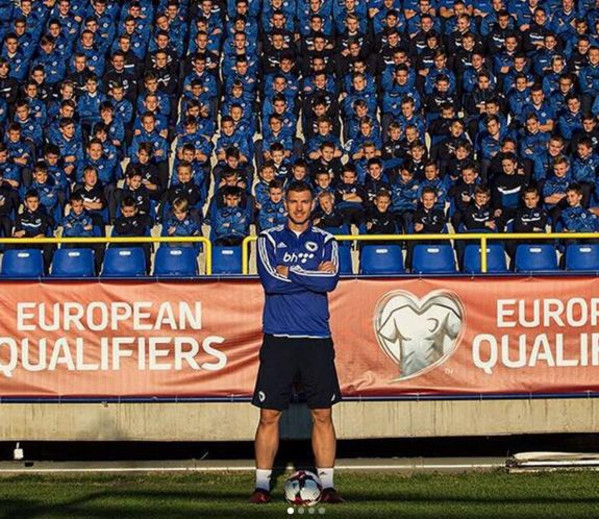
(298, 264)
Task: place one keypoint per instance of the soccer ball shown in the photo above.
(303, 489)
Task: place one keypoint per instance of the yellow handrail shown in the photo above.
(482, 237)
(120, 239)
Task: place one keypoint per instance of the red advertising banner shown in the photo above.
(393, 337)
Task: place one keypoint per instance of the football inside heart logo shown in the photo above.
(418, 334)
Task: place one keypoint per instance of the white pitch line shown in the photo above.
(250, 469)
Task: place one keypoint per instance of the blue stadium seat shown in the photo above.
(24, 263)
(74, 263)
(124, 262)
(381, 259)
(345, 263)
(176, 261)
(583, 257)
(536, 258)
(495, 258)
(433, 259)
(226, 260)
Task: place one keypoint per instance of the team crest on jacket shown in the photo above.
(311, 246)
(418, 334)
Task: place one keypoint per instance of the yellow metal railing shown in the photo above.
(120, 239)
(483, 238)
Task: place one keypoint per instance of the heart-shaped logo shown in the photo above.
(418, 334)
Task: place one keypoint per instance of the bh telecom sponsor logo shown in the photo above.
(418, 334)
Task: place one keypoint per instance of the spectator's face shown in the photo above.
(91, 86)
(184, 175)
(87, 39)
(594, 56)
(374, 170)
(537, 96)
(540, 17)
(278, 156)
(583, 150)
(51, 159)
(90, 177)
(231, 200)
(148, 124)
(118, 62)
(32, 203)
(40, 176)
(134, 182)
(348, 177)
(481, 199)
(574, 105)
(11, 45)
(428, 200)
(228, 128)
(323, 180)
(324, 128)
(508, 166)
(369, 153)
(128, 211)
(405, 175)
(382, 203)
(531, 200)
(532, 125)
(77, 207)
(95, 151)
(180, 215)
(69, 130)
(22, 112)
(326, 202)
(588, 125)
(555, 147)
(511, 44)
(565, 84)
(430, 172)
(583, 46)
(407, 109)
(560, 170)
(573, 198)
(461, 153)
(456, 129)
(468, 176)
(328, 153)
(463, 24)
(426, 24)
(275, 194)
(118, 93)
(417, 153)
(268, 174)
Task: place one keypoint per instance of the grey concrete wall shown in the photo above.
(237, 421)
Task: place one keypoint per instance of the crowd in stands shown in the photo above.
(406, 116)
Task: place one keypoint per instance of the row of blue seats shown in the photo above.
(374, 260)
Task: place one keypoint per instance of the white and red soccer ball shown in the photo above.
(303, 488)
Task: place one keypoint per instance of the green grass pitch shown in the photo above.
(370, 495)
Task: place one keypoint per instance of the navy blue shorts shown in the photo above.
(286, 361)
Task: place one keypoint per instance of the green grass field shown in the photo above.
(369, 495)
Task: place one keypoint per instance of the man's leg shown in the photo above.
(267, 440)
(324, 445)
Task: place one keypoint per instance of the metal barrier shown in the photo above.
(120, 239)
(483, 238)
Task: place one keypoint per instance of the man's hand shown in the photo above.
(282, 270)
(326, 266)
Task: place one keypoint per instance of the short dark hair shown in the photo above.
(298, 187)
